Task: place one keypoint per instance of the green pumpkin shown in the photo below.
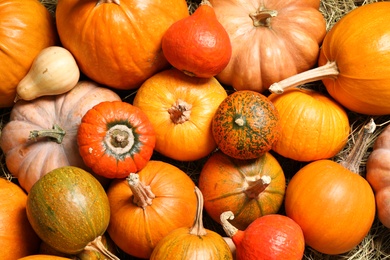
(68, 208)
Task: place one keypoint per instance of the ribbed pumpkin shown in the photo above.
(117, 43)
(313, 125)
(148, 205)
(195, 242)
(249, 188)
(354, 61)
(69, 210)
(41, 135)
(26, 28)
(246, 125)
(332, 203)
(181, 109)
(115, 138)
(17, 238)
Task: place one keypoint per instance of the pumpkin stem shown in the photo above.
(229, 229)
(98, 246)
(119, 139)
(56, 134)
(328, 70)
(262, 17)
(355, 156)
(198, 229)
(239, 121)
(143, 195)
(108, 2)
(180, 112)
(258, 186)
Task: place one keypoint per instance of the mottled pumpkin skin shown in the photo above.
(17, 238)
(225, 182)
(68, 208)
(246, 125)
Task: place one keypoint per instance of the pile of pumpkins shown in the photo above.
(106, 94)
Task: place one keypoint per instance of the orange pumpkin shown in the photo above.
(354, 61)
(115, 138)
(181, 109)
(148, 205)
(378, 175)
(246, 125)
(41, 135)
(332, 203)
(117, 43)
(248, 188)
(17, 237)
(313, 125)
(26, 28)
(271, 40)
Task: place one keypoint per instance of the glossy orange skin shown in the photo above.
(29, 160)
(224, 182)
(334, 206)
(378, 175)
(191, 139)
(118, 45)
(313, 125)
(198, 45)
(108, 157)
(137, 230)
(270, 237)
(262, 55)
(359, 45)
(246, 125)
(17, 237)
(27, 27)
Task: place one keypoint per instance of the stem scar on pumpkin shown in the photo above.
(108, 2)
(262, 17)
(56, 134)
(119, 139)
(255, 187)
(143, 195)
(180, 112)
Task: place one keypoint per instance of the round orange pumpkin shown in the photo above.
(41, 135)
(271, 40)
(117, 43)
(115, 138)
(17, 237)
(181, 109)
(148, 205)
(248, 188)
(26, 28)
(246, 125)
(354, 61)
(313, 125)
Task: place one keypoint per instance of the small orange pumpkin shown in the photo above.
(248, 188)
(246, 125)
(313, 125)
(115, 138)
(181, 109)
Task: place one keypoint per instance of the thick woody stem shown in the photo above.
(142, 194)
(180, 112)
(97, 245)
(229, 229)
(56, 133)
(258, 186)
(262, 17)
(197, 228)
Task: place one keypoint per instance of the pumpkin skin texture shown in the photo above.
(198, 45)
(30, 158)
(68, 209)
(249, 188)
(115, 138)
(27, 27)
(273, 236)
(195, 242)
(359, 84)
(378, 175)
(334, 206)
(267, 48)
(181, 109)
(117, 43)
(246, 125)
(17, 238)
(139, 222)
(313, 125)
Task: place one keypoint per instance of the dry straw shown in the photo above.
(376, 245)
